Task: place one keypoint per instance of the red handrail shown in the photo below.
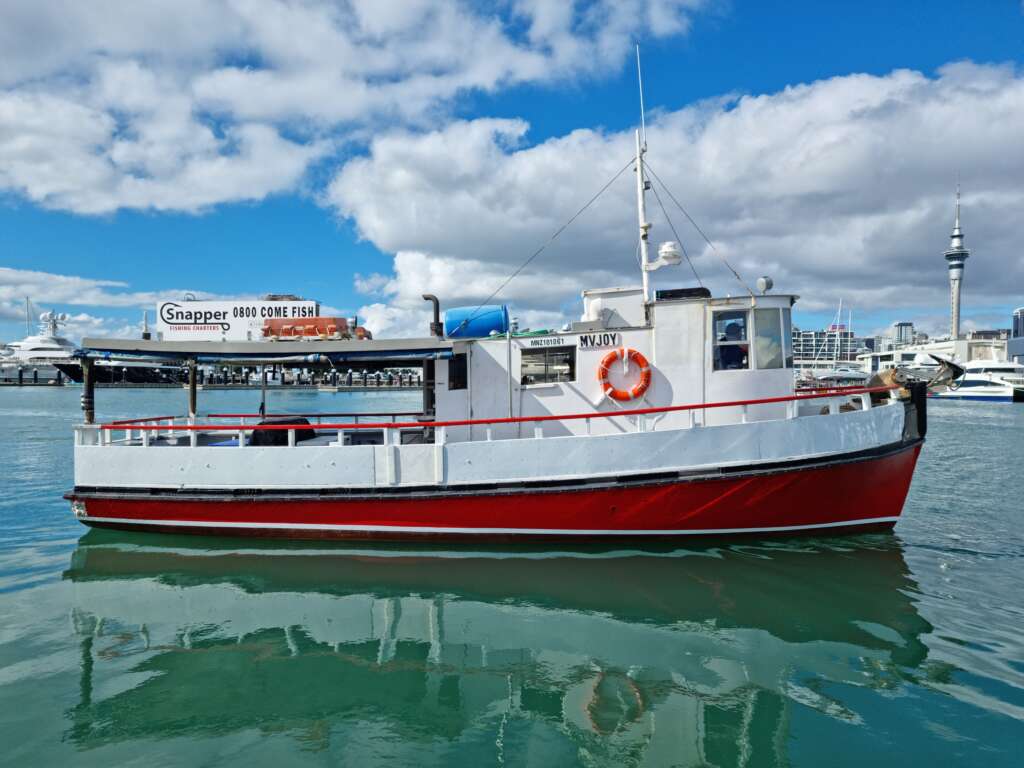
(275, 415)
(526, 419)
(148, 418)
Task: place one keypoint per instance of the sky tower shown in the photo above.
(956, 255)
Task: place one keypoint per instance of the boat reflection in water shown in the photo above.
(683, 657)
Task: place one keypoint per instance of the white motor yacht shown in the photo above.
(998, 381)
(38, 355)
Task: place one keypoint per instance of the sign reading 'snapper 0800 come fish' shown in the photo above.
(225, 320)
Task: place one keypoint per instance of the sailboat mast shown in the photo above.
(28, 322)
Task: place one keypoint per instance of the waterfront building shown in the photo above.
(828, 348)
(1001, 334)
(835, 343)
(903, 334)
(1015, 345)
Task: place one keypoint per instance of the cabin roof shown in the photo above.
(310, 351)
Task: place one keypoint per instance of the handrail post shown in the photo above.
(193, 438)
(291, 438)
(145, 435)
(241, 438)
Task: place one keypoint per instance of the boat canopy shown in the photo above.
(324, 352)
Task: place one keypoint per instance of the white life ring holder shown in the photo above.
(638, 389)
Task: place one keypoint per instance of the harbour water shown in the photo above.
(902, 649)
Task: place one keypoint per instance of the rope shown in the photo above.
(701, 231)
(679, 240)
(550, 240)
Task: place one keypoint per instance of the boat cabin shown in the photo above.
(698, 349)
(624, 354)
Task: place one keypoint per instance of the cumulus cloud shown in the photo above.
(184, 104)
(841, 188)
(45, 288)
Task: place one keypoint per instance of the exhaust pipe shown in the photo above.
(436, 329)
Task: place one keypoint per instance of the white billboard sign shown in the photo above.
(225, 320)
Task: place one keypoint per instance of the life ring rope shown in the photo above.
(626, 356)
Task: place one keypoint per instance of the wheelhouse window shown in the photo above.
(769, 349)
(548, 365)
(732, 347)
(787, 336)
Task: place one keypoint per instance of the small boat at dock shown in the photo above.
(657, 414)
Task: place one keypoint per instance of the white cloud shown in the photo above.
(46, 288)
(840, 188)
(184, 104)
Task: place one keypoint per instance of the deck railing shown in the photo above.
(176, 427)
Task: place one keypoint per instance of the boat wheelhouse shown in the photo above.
(654, 415)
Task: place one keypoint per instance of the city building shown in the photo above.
(1015, 345)
(824, 349)
(902, 334)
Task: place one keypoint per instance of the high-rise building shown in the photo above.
(956, 255)
(1015, 346)
(902, 333)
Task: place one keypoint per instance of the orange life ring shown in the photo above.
(633, 356)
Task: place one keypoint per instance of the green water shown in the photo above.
(151, 650)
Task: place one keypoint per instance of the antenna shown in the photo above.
(640, 83)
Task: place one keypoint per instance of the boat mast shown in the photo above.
(28, 312)
(641, 186)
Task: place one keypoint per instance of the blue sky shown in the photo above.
(314, 206)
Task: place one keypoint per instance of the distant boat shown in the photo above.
(46, 355)
(41, 353)
(994, 381)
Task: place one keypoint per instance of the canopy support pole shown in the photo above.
(88, 390)
(192, 390)
(263, 391)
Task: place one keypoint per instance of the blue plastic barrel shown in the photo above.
(475, 322)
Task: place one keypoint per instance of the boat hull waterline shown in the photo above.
(865, 492)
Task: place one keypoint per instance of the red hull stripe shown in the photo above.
(863, 492)
(875, 521)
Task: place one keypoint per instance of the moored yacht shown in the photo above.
(657, 414)
(997, 381)
(39, 355)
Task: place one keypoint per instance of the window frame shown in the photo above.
(715, 343)
(757, 366)
(546, 350)
(458, 371)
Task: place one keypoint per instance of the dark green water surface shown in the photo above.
(151, 650)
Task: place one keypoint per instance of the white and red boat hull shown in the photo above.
(865, 491)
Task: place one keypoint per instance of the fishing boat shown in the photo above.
(672, 413)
